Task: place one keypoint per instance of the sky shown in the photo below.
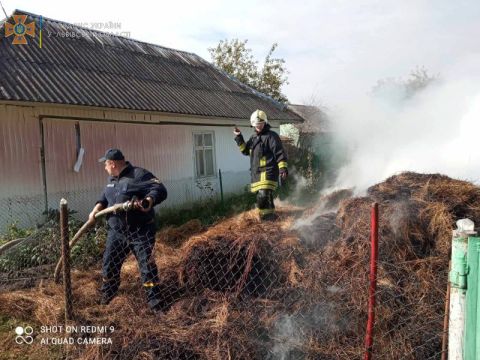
(334, 50)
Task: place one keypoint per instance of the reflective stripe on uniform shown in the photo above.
(262, 212)
(261, 185)
(242, 147)
(263, 164)
(282, 164)
(149, 284)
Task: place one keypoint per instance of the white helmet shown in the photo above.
(257, 117)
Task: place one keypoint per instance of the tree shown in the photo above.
(419, 79)
(236, 59)
(401, 90)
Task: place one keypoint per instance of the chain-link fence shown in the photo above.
(294, 288)
(29, 256)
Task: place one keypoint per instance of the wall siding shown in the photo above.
(166, 150)
(21, 189)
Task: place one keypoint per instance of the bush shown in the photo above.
(88, 250)
(42, 246)
(14, 232)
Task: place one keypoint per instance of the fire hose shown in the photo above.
(121, 207)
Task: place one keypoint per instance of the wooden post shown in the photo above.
(67, 281)
(445, 318)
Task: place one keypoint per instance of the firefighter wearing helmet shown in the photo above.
(268, 161)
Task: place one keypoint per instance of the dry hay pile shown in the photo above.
(249, 290)
(417, 215)
(176, 236)
(222, 290)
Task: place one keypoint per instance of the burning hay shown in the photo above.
(294, 288)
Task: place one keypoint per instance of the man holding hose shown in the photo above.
(132, 230)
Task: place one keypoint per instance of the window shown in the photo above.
(204, 154)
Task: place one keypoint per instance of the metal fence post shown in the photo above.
(458, 289)
(221, 184)
(472, 319)
(373, 281)
(67, 282)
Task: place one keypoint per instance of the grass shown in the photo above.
(207, 211)
(212, 210)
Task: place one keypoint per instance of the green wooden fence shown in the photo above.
(472, 312)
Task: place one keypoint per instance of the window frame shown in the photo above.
(203, 148)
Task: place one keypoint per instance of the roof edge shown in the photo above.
(146, 112)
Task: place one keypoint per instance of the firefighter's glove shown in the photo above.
(143, 205)
(283, 173)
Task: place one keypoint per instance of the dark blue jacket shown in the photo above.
(132, 181)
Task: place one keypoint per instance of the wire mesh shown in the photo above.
(241, 289)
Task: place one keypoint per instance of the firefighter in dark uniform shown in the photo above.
(268, 161)
(132, 230)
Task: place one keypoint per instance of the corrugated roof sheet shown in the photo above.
(99, 69)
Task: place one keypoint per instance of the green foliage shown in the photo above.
(273, 76)
(236, 59)
(14, 232)
(89, 249)
(43, 245)
(207, 211)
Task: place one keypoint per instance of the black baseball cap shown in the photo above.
(112, 154)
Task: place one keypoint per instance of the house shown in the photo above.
(68, 93)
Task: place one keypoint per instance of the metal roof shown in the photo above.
(95, 68)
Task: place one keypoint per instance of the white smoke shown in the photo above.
(434, 132)
(292, 332)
